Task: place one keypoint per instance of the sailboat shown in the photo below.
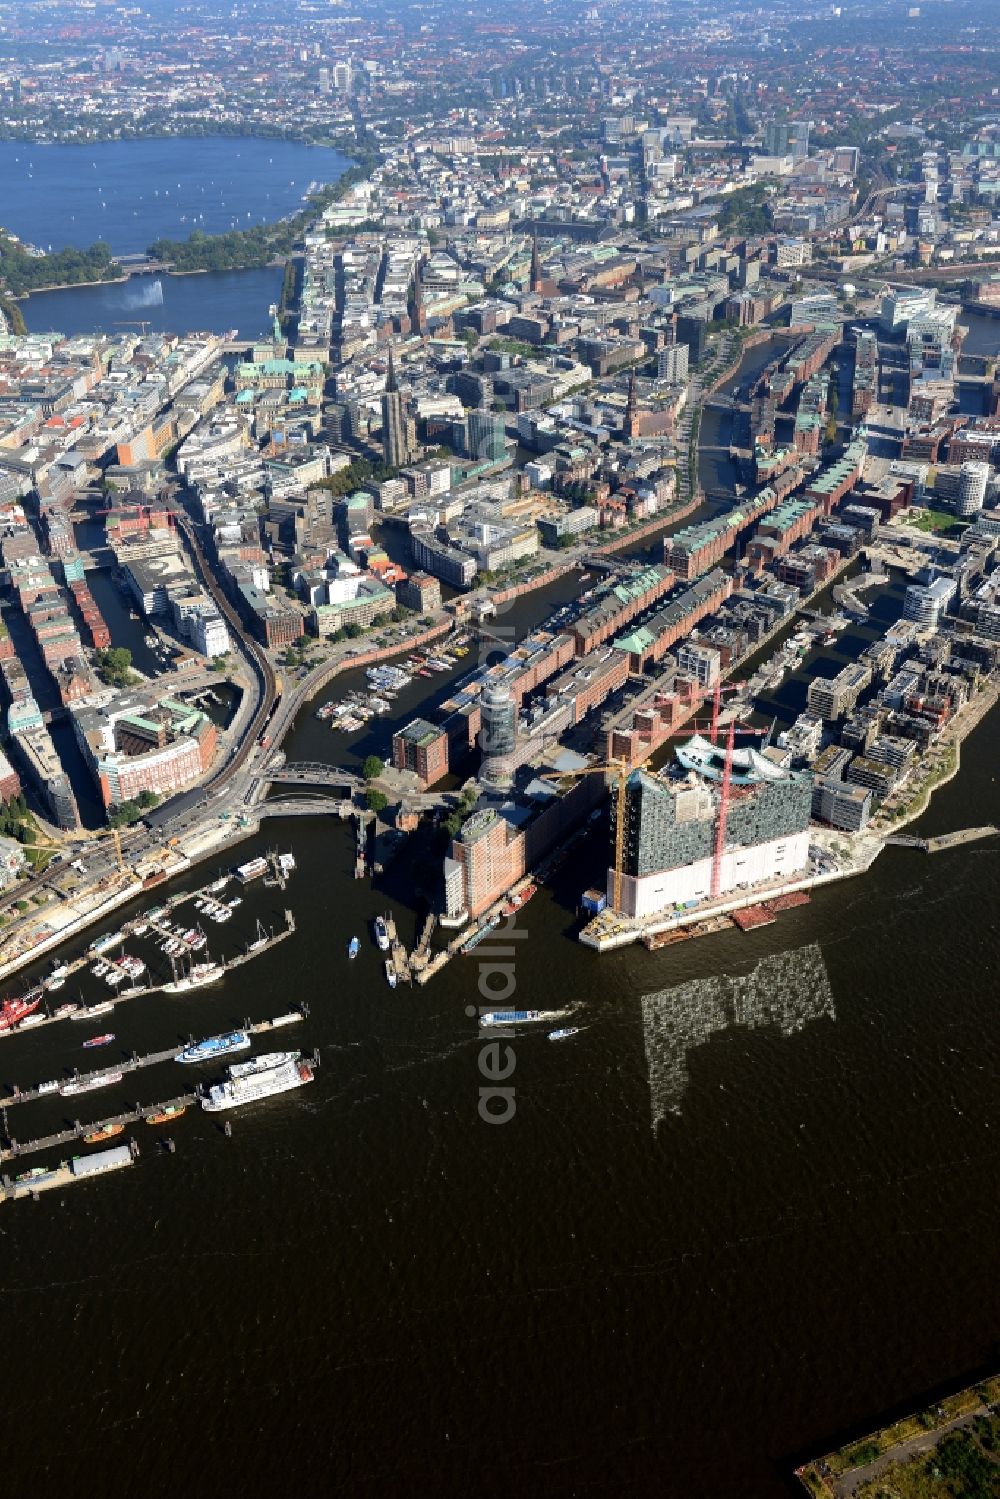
(261, 940)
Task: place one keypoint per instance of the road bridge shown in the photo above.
(304, 806)
(313, 773)
(725, 403)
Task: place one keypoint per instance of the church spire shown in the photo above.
(419, 311)
(536, 265)
(632, 409)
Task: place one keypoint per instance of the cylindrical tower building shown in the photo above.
(497, 734)
(972, 482)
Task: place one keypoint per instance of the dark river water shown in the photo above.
(749, 1207)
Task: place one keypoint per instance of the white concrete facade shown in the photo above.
(645, 894)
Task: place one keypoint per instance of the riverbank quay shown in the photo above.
(44, 929)
(659, 522)
(891, 1459)
(41, 931)
(894, 815)
(530, 585)
(25, 296)
(834, 855)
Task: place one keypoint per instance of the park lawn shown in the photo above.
(957, 1468)
(868, 1448)
(932, 520)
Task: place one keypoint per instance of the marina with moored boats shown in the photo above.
(181, 1052)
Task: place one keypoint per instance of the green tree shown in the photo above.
(377, 801)
(114, 666)
(371, 767)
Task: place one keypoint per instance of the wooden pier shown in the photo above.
(397, 954)
(942, 841)
(421, 953)
(117, 997)
(255, 949)
(135, 1062)
(12, 1149)
(62, 1175)
(361, 854)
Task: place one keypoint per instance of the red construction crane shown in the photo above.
(724, 794)
(619, 770)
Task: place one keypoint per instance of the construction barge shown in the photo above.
(746, 919)
(766, 912)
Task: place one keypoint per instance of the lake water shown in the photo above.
(130, 193)
(213, 303)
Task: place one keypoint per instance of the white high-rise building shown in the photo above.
(209, 633)
(672, 364)
(972, 482)
(926, 602)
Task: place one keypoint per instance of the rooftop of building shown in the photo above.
(420, 733)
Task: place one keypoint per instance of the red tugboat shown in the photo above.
(517, 901)
(14, 1010)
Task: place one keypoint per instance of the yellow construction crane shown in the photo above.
(618, 772)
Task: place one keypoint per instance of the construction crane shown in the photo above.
(135, 323)
(617, 771)
(727, 778)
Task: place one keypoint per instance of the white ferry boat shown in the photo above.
(251, 871)
(88, 1084)
(274, 1072)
